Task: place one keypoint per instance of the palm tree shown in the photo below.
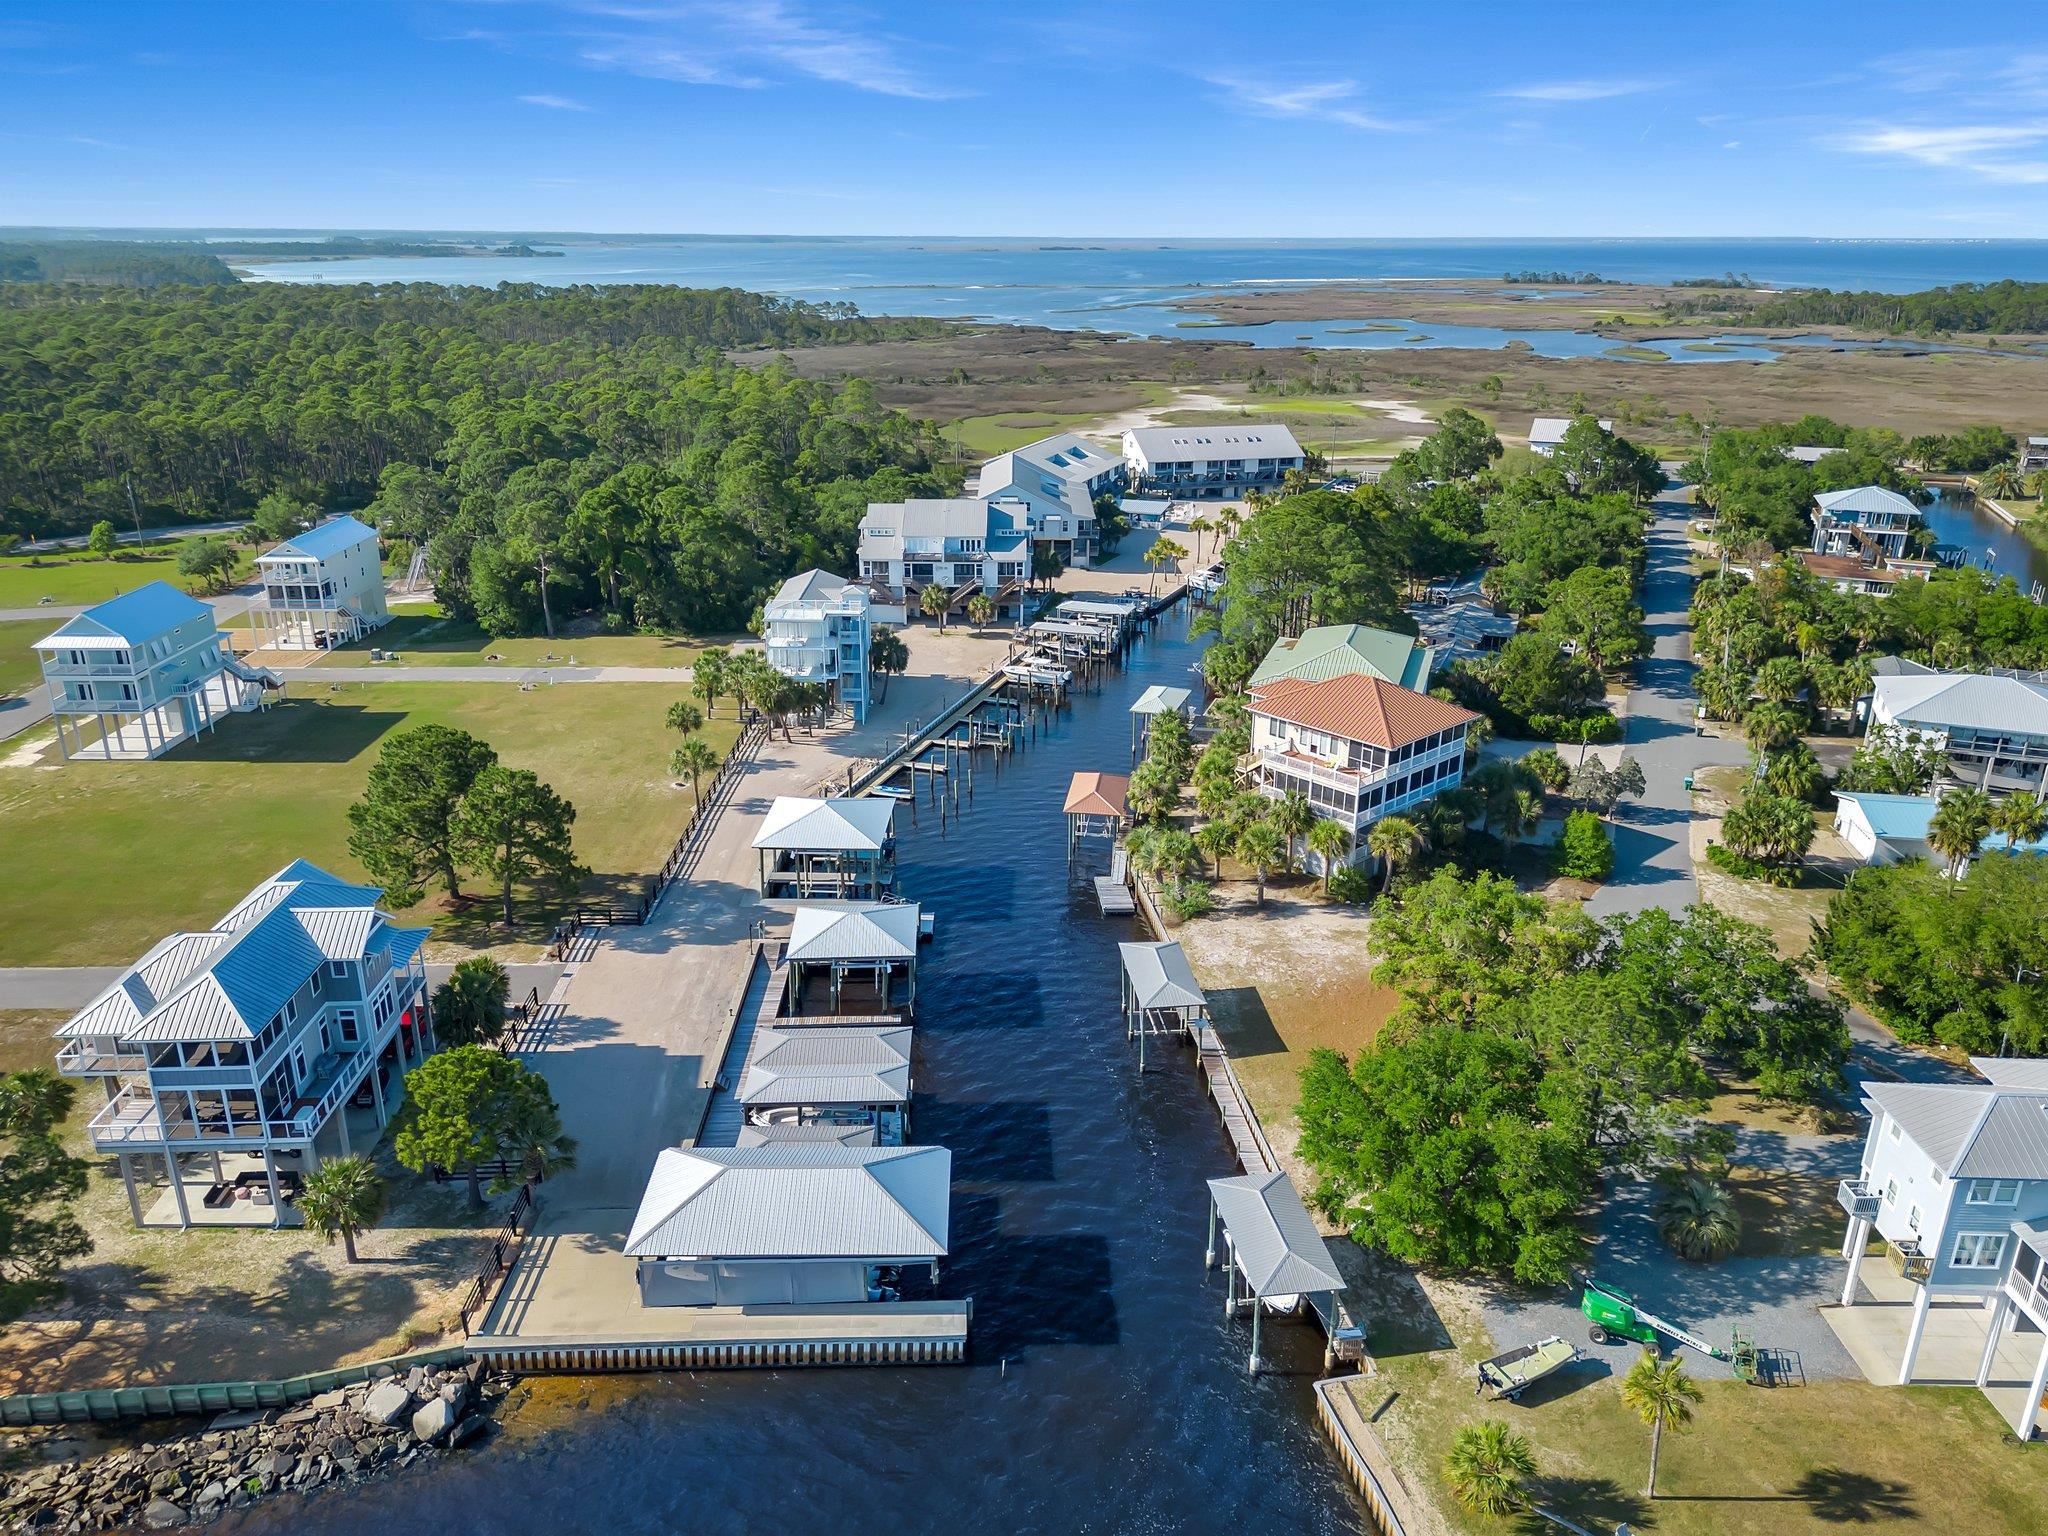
(469, 1007)
(981, 608)
(685, 717)
(2036, 485)
(1772, 828)
(1795, 771)
(1199, 525)
(1329, 841)
(933, 602)
(342, 1197)
(696, 758)
(1215, 839)
(2023, 818)
(708, 674)
(1960, 821)
(1660, 1393)
(2001, 480)
(1394, 841)
(887, 656)
(1292, 818)
(1699, 1220)
(1770, 725)
(1262, 849)
(1486, 1467)
(1164, 552)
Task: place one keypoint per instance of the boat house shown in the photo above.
(837, 1075)
(857, 958)
(788, 1223)
(840, 848)
(1271, 1244)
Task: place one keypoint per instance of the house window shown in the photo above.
(1913, 1219)
(1993, 1192)
(350, 1028)
(316, 983)
(338, 969)
(291, 1010)
(1891, 1191)
(1892, 1130)
(1978, 1250)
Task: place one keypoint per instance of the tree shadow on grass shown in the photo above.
(1853, 1498)
(297, 730)
(1598, 1503)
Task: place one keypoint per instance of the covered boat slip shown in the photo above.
(849, 1076)
(1152, 703)
(855, 958)
(1270, 1242)
(837, 848)
(1160, 993)
(1095, 805)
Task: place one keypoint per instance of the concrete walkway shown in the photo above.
(1652, 853)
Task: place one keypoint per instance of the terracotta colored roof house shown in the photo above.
(1356, 745)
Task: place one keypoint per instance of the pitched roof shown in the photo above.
(1903, 822)
(228, 983)
(1358, 708)
(854, 930)
(1337, 650)
(1161, 700)
(322, 539)
(752, 1135)
(887, 524)
(1276, 1246)
(153, 609)
(1971, 1130)
(1097, 794)
(844, 1064)
(1161, 976)
(858, 825)
(1863, 500)
(1965, 699)
(795, 1200)
(1068, 460)
(812, 586)
(2013, 1071)
(1251, 440)
(1551, 429)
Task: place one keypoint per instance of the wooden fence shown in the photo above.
(112, 1404)
(500, 1256)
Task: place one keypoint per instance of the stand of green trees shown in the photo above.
(1759, 496)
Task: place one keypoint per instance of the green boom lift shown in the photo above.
(1614, 1314)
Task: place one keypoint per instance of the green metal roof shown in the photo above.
(1342, 650)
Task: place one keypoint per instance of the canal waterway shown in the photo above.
(1106, 1392)
(1985, 539)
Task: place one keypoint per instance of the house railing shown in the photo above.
(1858, 1199)
(80, 1057)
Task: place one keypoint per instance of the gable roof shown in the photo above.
(326, 538)
(1971, 1130)
(854, 930)
(153, 609)
(1161, 976)
(1358, 707)
(1251, 440)
(1067, 459)
(1337, 650)
(812, 586)
(1161, 700)
(1863, 500)
(2013, 1071)
(1965, 699)
(795, 1200)
(1551, 429)
(887, 524)
(1275, 1244)
(842, 1064)
(858, 825)
(1097, 794)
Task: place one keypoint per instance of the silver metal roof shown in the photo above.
(795, 1200)
(1158, 700)
(1863, 500)
(854, 1064)
(826, 826)
(1161, 976)
(854, 930)
(752, 1135)
(2013, 1071)
(1966, 699)
(812, 586)
(1971, 1130)
(1252, 440)
(1277, 1247)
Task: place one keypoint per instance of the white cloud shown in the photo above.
(554, 103)
(1579, 90)
(2014, 153)
(1329, 101)
(745, 44)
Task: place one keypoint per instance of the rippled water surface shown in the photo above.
(1106, 1393)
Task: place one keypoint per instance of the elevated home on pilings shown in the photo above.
(841, 848)
(853, 958)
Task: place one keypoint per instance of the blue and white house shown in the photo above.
(1955, 1181)
(962, 543)
(1992, 728)
(230, 1058)
(321, 588)
(1867, 520)
(136, 675)
(1055, 482)
(817, 628)
(1888, 829)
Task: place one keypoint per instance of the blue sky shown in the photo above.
(994, 117)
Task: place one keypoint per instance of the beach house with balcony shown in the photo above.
(136, 675)
(1993, 728)
(1340, 650)
(1954, 1181)
(2033, 455)
(1356, 745)
(1054, 482)
(818, 628)
(321, 588)
(1868, 520)
(233, 1060)
(962, 543)
(1217, 461)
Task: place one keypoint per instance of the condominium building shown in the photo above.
(1053, 483)
(230, 1058)
(961, 543)
(321, 588)
(817, 630)
(1196, 462)
(136, 675)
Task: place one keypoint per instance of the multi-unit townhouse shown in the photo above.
(230, 1058)
(961, 543)
(1217, 461)
(321, 588)
(1357, 746)
(1054, 483)
(1954, 1180)
(134, 676)
(817, 630)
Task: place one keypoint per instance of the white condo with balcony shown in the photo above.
(321, 588)
(818, 627)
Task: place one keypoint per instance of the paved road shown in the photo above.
(1652, 836)
(225, 606)
(73, 986)
(182, 530)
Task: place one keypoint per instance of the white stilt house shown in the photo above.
(321, 588)
(231, 1059)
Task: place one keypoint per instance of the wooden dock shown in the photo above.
(1114, 897)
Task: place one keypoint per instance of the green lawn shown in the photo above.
(1794, 1461)
(424, 638)
(103, 859)
(987, 436)
(19, 667)
(70, 579)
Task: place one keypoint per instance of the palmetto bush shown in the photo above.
(1698, 1220)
